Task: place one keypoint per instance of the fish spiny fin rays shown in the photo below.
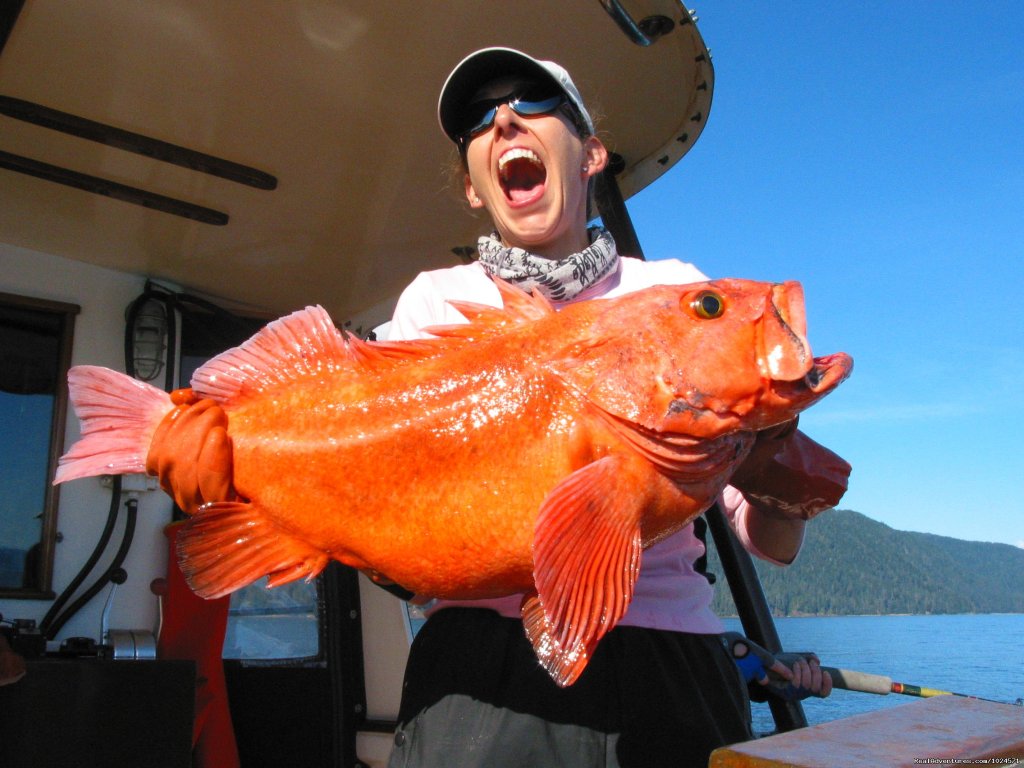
(519, 307)
(228, 545)
(376, 354)
(586, 553)
(283, 351)
(303, 344)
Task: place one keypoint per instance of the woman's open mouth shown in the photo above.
(521, 175)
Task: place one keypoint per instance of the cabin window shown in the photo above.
(414, 617)
(273, 624)
(35, 352)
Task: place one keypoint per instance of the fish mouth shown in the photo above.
(825, 374)
(521, 175)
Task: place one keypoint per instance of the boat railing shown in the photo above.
(644, 32)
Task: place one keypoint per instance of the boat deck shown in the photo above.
(944, 730)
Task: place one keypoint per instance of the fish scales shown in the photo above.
(470, 422)
(527, 451)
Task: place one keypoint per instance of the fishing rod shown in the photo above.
(756, 663)
(865, 682)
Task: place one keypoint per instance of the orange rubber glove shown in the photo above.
(191, 452)
(790, 476)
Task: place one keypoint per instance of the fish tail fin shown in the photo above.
(119, 415)
(586, 550)
(228, 545)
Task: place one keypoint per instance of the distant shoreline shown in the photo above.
(851, 565)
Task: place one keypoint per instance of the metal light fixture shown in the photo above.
(149, 340)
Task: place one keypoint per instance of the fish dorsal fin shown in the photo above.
(284, 350)
(304, 343)
(375, 354)
(586, 553)
(518, 307)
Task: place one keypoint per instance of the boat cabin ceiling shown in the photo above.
(277, 153)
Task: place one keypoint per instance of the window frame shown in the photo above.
(42, 588)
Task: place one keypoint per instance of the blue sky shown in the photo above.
(874, 151)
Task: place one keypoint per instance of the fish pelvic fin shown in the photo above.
(586, 552)
(119, 415)
(228, 545)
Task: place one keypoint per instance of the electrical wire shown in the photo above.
(45, 626)
(132, 506)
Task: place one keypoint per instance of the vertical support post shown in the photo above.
(612, 208)
(8, 16)
(344, 653)
(744, 583)
(755, 615)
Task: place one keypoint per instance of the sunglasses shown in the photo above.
(479, 116)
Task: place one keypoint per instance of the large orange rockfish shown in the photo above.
(528, 451)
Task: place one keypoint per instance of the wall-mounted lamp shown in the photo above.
(149, 339)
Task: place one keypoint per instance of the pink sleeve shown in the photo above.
(736, 510)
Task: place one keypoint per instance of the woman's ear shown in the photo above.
(471, 195)
(595, 156)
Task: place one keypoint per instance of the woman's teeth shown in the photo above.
(517, 154)
(521, 174)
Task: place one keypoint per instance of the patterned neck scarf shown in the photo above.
(557, 280)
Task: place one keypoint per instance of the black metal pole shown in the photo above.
(614, 214)
(755, 615)
(343, 639)
(753, 609)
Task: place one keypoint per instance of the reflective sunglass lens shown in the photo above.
(483, 121)
(481, 116)
(528, 108)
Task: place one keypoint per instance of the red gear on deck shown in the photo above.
(193, 629)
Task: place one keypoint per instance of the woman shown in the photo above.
(662, 688)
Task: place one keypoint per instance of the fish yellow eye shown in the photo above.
(708, 304)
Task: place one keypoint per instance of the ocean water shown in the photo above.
(974, 654)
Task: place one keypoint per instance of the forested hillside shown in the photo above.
(851, 564)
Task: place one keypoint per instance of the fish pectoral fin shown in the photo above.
(228, 545)
(586, 554)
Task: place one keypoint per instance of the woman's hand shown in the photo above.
(789, 676)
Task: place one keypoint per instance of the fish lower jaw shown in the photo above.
(787, 399)
(828, 372)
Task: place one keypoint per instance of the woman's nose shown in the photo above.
(504, 117)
